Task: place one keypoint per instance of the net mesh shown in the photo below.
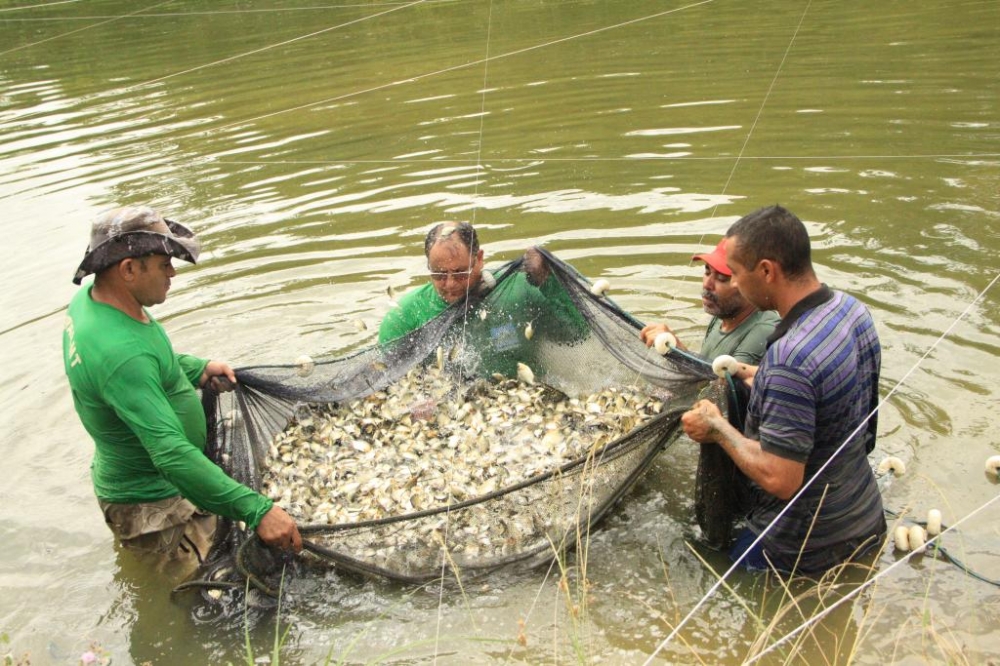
(428, 456)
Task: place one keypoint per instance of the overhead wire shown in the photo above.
(278, 44)
(753, 125)
(767, 96)
(215, 12)
(41, 5)
(461, 66)
(84, 28)
(644, 158)
(473, 255)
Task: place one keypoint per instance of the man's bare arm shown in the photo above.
(778, 476)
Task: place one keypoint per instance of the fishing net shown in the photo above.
(721, 491)
(499, 432)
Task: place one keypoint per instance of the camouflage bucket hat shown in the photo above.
(134, 232)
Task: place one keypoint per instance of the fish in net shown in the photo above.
(494, 434)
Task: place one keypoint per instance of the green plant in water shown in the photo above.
(576, 596)
(279, 636)
(9, 658)
(804, 600)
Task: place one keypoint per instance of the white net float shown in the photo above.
(599, 287)
(901, 538)
(993, 465)
(664, 342)
(304, 365)
(934, 522)
(891, 463)
(917, 538)
(723, 364)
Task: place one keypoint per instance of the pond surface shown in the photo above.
(312, 144)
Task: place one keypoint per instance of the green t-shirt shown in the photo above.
(138, 400)
(747, 343)
(494, 326)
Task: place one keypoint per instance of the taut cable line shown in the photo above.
(644, 158)
(482, 110)
(753, 125)
(38, 6)
(465, 65)
(473, 253)
(763, 103)
(863, 586)
(215, 12)
(278, 44)
(88, 27)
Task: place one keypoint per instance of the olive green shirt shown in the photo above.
(746, 343)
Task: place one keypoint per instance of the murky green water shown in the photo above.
(311, 144)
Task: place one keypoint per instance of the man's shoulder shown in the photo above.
(836, 316)
(104, 326)
(760, 321)
(764, 317)
(415, 307)
(92, 325)
(105, 339)
(839, 323)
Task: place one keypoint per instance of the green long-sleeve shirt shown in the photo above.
(137, 399)
(495, 325)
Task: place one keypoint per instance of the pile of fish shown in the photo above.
(429, 440)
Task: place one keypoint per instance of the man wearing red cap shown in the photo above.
(737, 328)
(813, 410)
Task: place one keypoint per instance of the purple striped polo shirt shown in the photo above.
(815, 387)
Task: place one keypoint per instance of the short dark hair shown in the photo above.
(773, 233)
(465, 232)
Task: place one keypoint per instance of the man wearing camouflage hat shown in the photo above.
(137, 398)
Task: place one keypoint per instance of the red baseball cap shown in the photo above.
(716, 258)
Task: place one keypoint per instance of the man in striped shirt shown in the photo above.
(811, 419)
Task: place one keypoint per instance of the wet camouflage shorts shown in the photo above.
(173, 527)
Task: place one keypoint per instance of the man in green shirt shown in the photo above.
(499, 329)
(737, 328)
(137, 398)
